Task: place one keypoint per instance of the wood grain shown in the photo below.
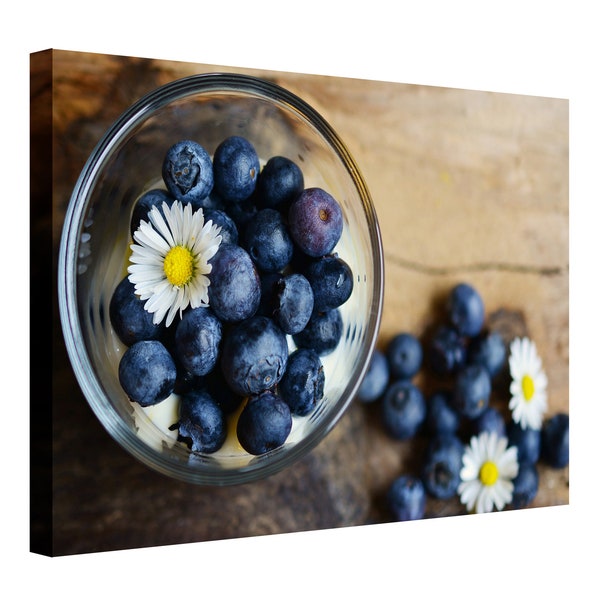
(468, 186)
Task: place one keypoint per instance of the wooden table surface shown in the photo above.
(468, 186)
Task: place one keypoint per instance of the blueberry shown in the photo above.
(280, 182)
(292, 303)
(147, 372)
(187, 171)
(234, 290)
(447, 351)
(441, 416)
(229, 231)
(264, 424)
(128, 317)
(555, 441)
(197, 340)
(266, 238)
(242, 212)
(202, 422)
(405, 355)
(376, 378)
(268, 291)
(301, 386)
(528, 442)
(332, 281)
(316, 222)
(403, 409)
(254, 355)
(472, 391)
(406, 498)
(525, 485)
(442, 464)
(322, 332)
(488, 350)
(236, 168)
(490, 419)
(466, 310)
(144, 205)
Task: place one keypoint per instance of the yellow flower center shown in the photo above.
(528, 387)
(488, 474)
(179, 265)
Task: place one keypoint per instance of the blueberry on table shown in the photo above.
(128, 317)
(302, 384)
(405, 355)
(441, 416)
(280, 182)
(528, 442)
(229, 231)
(267, 240)
(525, 485)
(466, 310)
(490, 420)
(197, 340)
(236, 168)
(316, 222)
(322, 332)
(234, 290)
(406, 498)
(147, 372)
(144, 205)
(187, 171)
(202, 423)
(403, 409)
(442, 464)
(555, 441)
(254, 355)
(472, 391)
(264, 423)
(376, 378)
(447, 351)
(332, 281)
(292, 302)
(489, 350)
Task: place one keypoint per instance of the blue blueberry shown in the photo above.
(202, 423)
(528, 442)
(466, 310)
(188, 171)
(267, 239)
(441, 416)
(491, 420)
(332, 281)
(472, 390)
(488, 350)
(144, 205)
(128, 317)
(447, 351)
(376, 378)
(322, 332)
(406, 498)
(236, 168)
(242, 212)
(147, 372)
(555, 441)
(280, 182)
(405, 355)
(264, 424)
(254, 355)
(403, 409)
(525, 485)
(229, 231)
(292, 302)
(302, 384)
(234, 290)
(442, 464)
(197, 340)
(316, 222)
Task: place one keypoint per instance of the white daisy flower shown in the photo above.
(170, 260)
(528, 401)
(487, 473)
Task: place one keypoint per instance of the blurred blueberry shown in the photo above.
(405, 355)
(472, 391)
(406, 498)
(403, 409)
(442, 464)
(447, 351)
(491, 419)
(441, 416)
(527, 441)
(526, 485)
(555, 441)
(376, 378)
(489, 351)
(466, 310)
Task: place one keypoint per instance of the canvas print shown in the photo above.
(287, 302)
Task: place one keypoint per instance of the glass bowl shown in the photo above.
(95, 240)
